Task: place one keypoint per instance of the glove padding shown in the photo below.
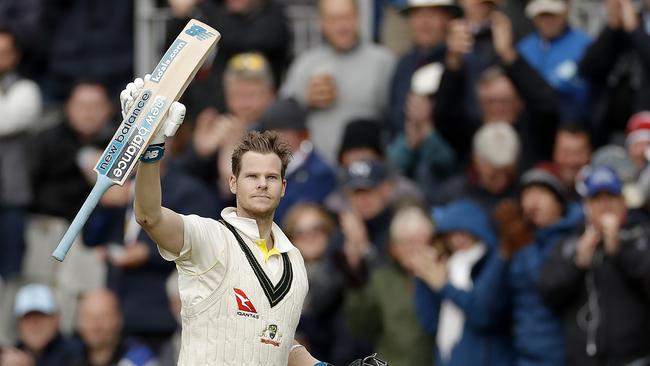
(170, 123)
(371, 360)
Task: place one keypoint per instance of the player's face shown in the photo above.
(259, 186)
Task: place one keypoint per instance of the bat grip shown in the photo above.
(101, 185)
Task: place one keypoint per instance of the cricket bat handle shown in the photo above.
(102, 184)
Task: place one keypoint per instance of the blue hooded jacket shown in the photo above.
(484, 340)
(538, 332)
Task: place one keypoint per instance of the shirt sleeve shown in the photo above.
(203, 245)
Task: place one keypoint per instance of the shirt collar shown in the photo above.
(248, 227)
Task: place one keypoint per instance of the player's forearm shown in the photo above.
(147, 205)
(299, 356)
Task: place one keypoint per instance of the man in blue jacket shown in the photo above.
(554, 50)
(537, 329)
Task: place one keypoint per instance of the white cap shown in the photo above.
(537, 7)
(426, 80)
(34, 297)
(423, 3)
(497, 143)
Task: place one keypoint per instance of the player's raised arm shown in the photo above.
(163, 225)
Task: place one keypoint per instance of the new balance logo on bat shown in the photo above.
(244, 304)
(199, 32)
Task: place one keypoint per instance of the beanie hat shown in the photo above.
(545, 175)
(638, 128)
(362, 133)
(284, 114)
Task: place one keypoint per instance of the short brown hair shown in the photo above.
(267, 142)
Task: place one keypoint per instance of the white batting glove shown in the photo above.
(172, 121)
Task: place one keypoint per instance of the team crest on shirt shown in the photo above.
(244, 304)
(271, 335)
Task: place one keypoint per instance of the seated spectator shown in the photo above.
(460, 294)
(248, 88)
(428, 21)
(39, 340)
(245, 26)
(618, 62)
(20, 103)
(312, 230)
(100, 328)
(599, 279)
(538, 338)
(170, 350)
(366, 140)
(554, 51)
(383, 309)
(493, 173)
(342, 79)
(309, 177)
(511, 91)
(571, 151)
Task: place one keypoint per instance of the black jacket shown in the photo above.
(606, 309)
(536, 126)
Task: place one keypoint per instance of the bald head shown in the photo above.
(100, 319)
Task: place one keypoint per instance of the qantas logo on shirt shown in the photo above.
(244, 304)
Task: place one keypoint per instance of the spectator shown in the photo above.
(493, 173)
(171, 349)
(599, 279)
(313, 231)
(40, 343)
(537, 329)
(100, 327)
(617, 62)
(554, 51)
(512, 93)
(309, 177)
(248, 88)
(428, 21)
(637, 140)
(373, 309)
(460, 294)
(258, 26)
(571, 151)
(420, 153)
(366, 140)
(340, 80)
(20, 103)
(365, 221)
(94, 38)
(27, 19)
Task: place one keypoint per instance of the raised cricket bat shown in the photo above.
(168, 81)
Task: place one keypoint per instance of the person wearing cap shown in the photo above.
(460, 292)
(427, 21)
(637, 140)
(341, 79)
(309, 177)
(536, 329)
(617, 62)
(372, 310)
(599, 278)
(555, 50)
(492, 175)
(506, 90)
(40, 342)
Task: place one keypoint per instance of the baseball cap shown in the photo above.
(284, 114)
(365, 174)
(596, 179)
(537, 7)
(249, 65)
(34, 297)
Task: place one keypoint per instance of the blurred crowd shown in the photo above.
(482, 198)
